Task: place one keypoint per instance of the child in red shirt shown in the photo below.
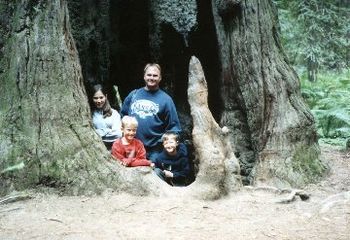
(127, 149)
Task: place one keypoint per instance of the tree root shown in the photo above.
(290, 198)
(340, 198)
(15, 198)
(11, 209)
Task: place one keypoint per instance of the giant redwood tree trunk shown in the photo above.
(45, 118)
(274, 131)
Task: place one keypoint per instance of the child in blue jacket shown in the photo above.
(172, 165)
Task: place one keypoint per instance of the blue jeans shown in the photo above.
(162, 176)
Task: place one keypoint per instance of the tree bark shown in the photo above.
(273, 130)
(44, 112)
(45, 118)
(90, 27)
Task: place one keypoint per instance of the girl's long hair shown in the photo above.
(106, 109)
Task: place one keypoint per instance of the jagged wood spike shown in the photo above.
(218, 167)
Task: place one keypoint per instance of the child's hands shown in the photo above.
(126, 162)
(168, 174)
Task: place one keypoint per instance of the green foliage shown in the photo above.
(315, 33)
(329, 100)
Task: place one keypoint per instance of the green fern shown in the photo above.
(329, 100)
(333, 122)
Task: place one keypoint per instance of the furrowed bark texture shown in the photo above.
(274, 131)
(90, 24)
(45, 118)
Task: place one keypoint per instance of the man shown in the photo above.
(154, 110)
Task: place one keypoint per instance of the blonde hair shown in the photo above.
(170, 135)
(128, 120)
(148, 65)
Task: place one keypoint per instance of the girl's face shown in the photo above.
(99, 99)
(129, 132)
(170, 146)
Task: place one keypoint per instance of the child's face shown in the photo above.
(170, 145)
(99, 99)
(129, 132)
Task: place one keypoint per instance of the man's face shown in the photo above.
(99, 99)
(170, 145)
(152, 78)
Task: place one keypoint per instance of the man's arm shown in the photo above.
(127, 102)
(126, 106)
(171, 118)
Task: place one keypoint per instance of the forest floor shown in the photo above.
(248, 214)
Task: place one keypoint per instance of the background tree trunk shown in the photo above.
(91, 28)
(273, 130)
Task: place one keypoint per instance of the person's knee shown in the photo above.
(159, 173)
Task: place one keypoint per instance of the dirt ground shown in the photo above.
(248, 214)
